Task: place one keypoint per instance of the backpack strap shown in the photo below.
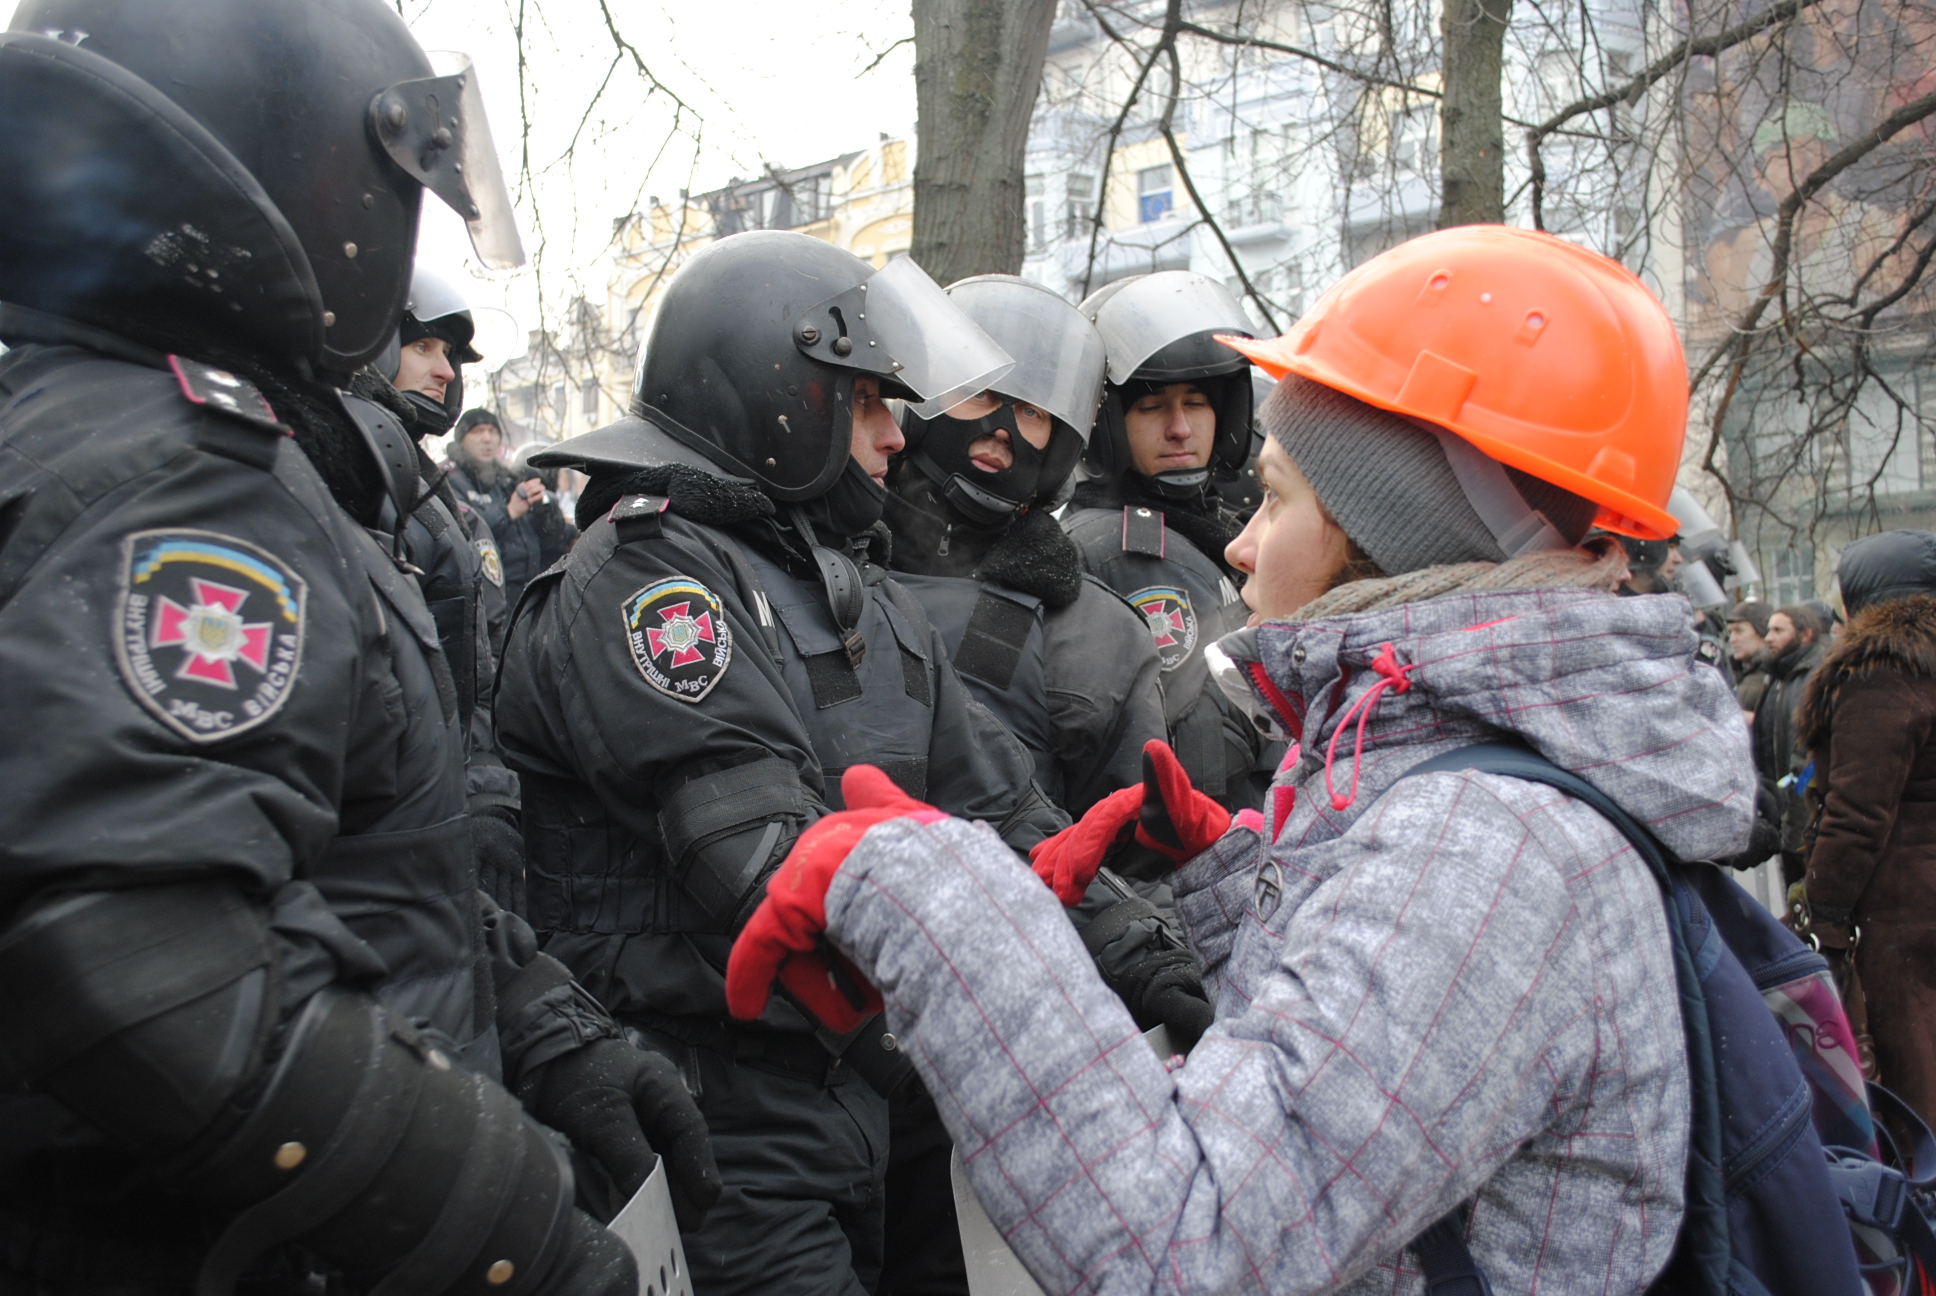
(1704, 1230)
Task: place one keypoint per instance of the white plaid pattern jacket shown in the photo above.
(1459, 992)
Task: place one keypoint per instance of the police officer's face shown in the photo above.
(1171, 430)
(992, 453)
(425, 367)
(876, 435)
(1290, 549)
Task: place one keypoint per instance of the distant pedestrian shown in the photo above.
(483, 480)
(1747, 649)
(1796, 645)
(1868, 717)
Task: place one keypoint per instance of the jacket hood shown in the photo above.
(1891, 565)
(1898, 635)
(1607, 688)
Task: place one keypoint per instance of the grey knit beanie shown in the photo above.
(1387, 483)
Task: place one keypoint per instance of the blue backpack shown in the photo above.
(1793, 1187)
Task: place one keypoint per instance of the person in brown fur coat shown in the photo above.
(1869, 719)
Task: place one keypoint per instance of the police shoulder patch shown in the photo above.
(488, 559)
(208, 630)
(678, 636)
(1172, 621)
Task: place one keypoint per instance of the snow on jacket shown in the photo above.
(1460, 991)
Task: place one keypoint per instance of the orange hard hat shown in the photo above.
(1549, 358)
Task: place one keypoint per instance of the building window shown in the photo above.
(1038, 213)
(1079, 192)
(1153, 194)
(588, 398)
(1794, 580)
(1413, 148)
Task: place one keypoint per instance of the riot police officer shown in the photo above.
(419, 378)
(1150, 520)
(680, 695)
(1058, 656)
(255, 1009)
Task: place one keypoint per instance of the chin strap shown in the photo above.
(978, 505)
(1181, 483)
(840, 578)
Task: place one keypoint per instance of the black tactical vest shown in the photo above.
(997, 639)
(1188, 603)
(880, 712)
(401, 873)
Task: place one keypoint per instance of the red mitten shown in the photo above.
(784, 939)
(1177, 821)
(1068, 861)
(1169, 817)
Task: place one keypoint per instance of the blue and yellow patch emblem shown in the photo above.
(1172, 621)
(678, 637)
(208, 630)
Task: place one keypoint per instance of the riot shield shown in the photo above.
(647, 1226)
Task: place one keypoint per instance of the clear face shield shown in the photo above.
(1149, 313)
(897, 323)
(435, 129)
(1059, 357)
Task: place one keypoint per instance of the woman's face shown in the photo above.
(1291, 549)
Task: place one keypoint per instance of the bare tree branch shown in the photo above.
(877, 59)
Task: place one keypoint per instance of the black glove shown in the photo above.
(616, 1103)
(1165, 987)
(499, 848)
(1764, 839)
(592, 1262)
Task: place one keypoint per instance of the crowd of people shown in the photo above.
(924, 693)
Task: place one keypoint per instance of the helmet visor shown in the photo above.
(899, 325)
(1155, 310)
(436, 129)
(1059, 358)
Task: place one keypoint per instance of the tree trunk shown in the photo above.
(977, 68)
(1472, 157)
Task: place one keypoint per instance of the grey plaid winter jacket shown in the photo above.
(1457, 991)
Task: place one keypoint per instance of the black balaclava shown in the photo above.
(849, 508)
(939, 447)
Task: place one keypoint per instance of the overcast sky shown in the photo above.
(764, 80)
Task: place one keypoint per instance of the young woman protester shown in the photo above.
(1451, 996)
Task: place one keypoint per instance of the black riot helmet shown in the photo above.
(751, 359)
(248, 167)
(1059, 364)
(434, 309)
(1161, 329)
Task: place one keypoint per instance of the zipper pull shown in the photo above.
(946, 532)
